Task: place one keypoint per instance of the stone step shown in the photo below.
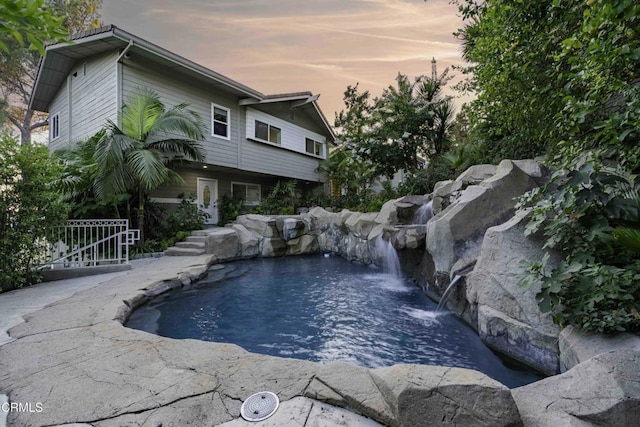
(191, 244)
(176, 251)
(196, 239)
(205, 232)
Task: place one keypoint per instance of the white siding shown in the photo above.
(60, 105)
(293, 137)
(219, 151)
(289, 158)
(93, 95)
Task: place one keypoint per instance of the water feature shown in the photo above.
(322, 309)
(387, 257)
(457, 278)
(424, 213)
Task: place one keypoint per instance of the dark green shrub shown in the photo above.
(423, 180)
(187, 217)
(230, 208)
(282, 200)
(29, 209)
(590, 214)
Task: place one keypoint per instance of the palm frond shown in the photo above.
(148, 167)
(191, 149)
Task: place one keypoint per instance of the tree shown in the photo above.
(137, 157)
(30, 208)
(552, 76)
(19, 64)
(29, 21)
(405, 126)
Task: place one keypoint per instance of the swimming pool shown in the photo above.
(322, 309)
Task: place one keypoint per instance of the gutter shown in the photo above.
(125, 51)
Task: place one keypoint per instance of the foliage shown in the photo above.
(29, 209)
(282, 200)
(138, 157)
(230, 208)
(406, 125)
(78, 182)
(187, 217)
(19, 64)
(593, 218)
(423, 180)
(352, 174)
(557, 76)
(29, 21)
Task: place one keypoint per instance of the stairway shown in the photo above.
(191, 246)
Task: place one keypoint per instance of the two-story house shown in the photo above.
(253, 140)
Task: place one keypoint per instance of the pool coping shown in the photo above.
(77, 359)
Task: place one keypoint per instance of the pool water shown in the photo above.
(322, 309)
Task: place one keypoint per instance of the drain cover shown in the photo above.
(259, 406)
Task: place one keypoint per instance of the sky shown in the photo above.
(281, 46)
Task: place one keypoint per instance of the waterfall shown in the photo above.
(387, 255)
(424, 213)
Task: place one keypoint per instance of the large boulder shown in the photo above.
(401, 211)
(262, 225)
(422, 395)
(577, 346)
(508, 317)
(223, 243)
(303, 245)
(603, 391)
(290, 228)
(457, 232)
(361, 224)
(249, 241)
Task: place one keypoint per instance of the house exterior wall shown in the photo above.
(289, 157)
(218, 151)
(93, 95)
(85, 100)
(60, 106)
(237, 151)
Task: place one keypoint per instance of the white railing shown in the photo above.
(90, 243)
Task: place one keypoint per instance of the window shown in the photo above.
(220, 119)
(54, 126)
(249, 192)
(267, 132)
(314, 147)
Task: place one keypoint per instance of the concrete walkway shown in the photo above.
(71, 340)
(20, 302)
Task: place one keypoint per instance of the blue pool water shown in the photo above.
(322, 309)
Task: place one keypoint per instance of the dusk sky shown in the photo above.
(277, 46)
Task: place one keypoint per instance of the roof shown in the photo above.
(60, 59)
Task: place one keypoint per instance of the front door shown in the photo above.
(208, 199)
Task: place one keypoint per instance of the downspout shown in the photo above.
(119, 81)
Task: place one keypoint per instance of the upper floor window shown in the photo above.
(267, 132)
(220, 121)
(314, 147)
(54, 126)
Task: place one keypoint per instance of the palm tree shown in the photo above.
(137, 157)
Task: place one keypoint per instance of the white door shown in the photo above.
(208, 198)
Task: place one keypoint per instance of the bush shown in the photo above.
(423, 180)
(29, 209)
(187, 217)
(591, 214)
(281, 201)
(230, 208)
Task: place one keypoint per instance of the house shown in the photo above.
(253, 140)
